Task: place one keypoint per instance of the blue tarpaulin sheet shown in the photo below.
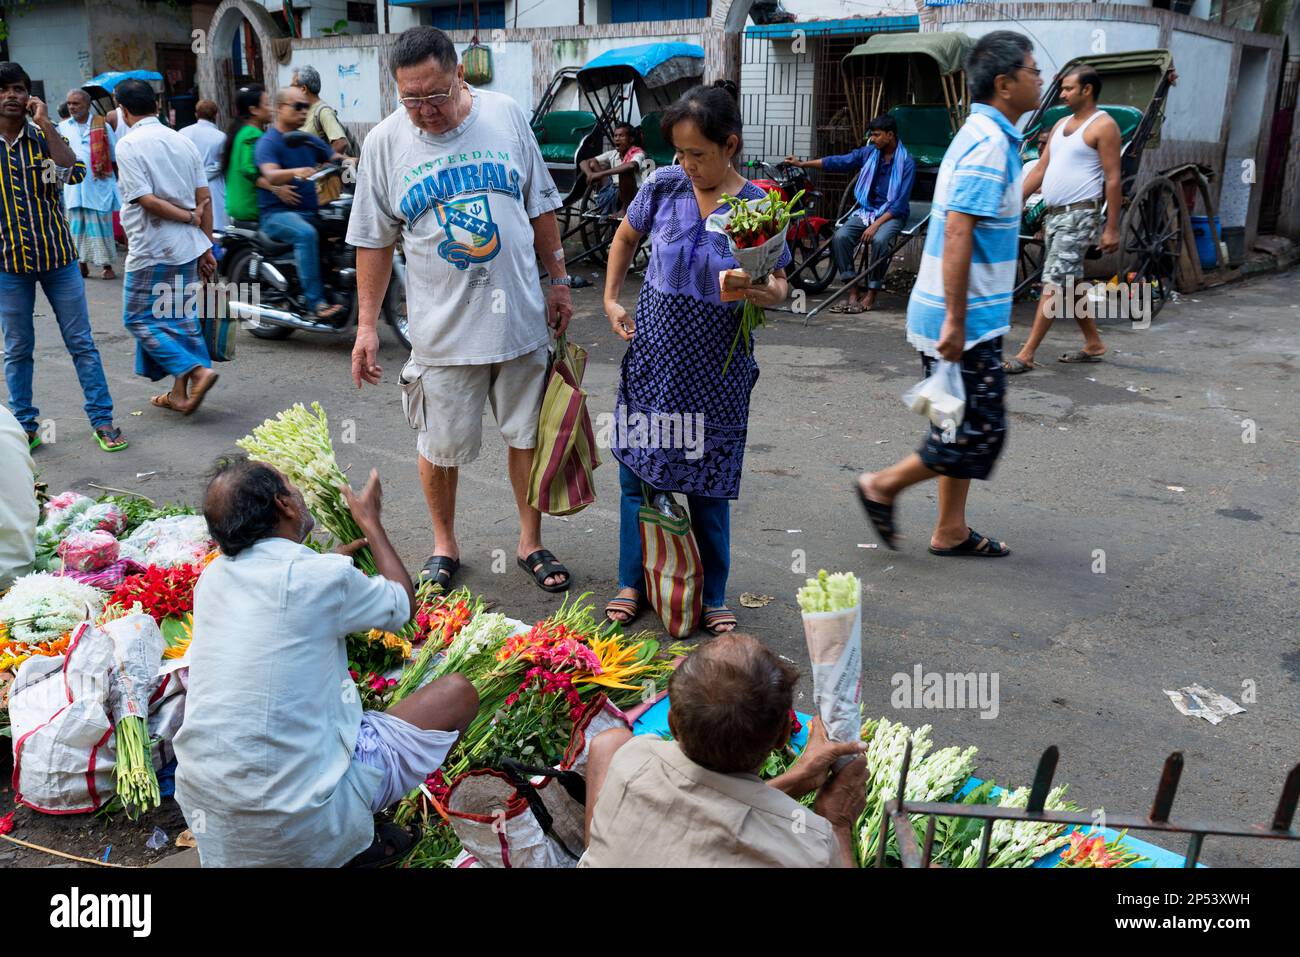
(112, 79)
(645, 56)
(655, 721)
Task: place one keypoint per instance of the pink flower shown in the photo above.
(392, 682)
(512, 699)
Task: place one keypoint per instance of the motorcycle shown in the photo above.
(264, 276)
(808, 234)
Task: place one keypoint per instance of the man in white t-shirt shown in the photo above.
(457, 175)
(167, 217)
(19, 512)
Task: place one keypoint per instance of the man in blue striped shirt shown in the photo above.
(36, 247)
(961, 302)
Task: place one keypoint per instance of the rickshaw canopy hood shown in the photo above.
(947, 50)
(657, 64)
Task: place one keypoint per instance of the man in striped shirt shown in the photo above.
(961, 302)
(36, 247)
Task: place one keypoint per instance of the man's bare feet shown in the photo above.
(869, 302)
(870, 488)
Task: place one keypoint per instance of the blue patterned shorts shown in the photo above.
(983, 431)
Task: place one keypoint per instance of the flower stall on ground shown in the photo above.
(128, 566)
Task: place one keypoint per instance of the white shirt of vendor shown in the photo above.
(644, 164)
(19, 512)
(658, 808)
(462, 202)
(264, 772)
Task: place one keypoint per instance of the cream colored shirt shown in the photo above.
(658, 808)
(19, 512)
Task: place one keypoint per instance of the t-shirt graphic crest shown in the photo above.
(472, 236)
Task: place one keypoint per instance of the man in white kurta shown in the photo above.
(211, 141)
(91, 202)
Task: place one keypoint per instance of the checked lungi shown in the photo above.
(978, 442)
(92, 234)
(163, 315)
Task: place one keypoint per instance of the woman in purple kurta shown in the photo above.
(680, 423)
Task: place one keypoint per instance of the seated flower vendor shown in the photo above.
(697, 801)
(277, 763)
(19, 512)
(882, 192)
(626, 164)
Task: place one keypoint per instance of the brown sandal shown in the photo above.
(164, 401)
(632, 607)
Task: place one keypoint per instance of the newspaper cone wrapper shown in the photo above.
(835, 649)
(757, 261)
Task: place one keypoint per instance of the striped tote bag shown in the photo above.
(674, 576)
(560, 482)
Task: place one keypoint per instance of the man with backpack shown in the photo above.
(322, 119)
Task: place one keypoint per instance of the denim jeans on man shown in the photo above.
(846, 240)
(298, 228)
(66, 291)
(711, 523)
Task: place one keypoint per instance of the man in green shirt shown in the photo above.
(252, 114)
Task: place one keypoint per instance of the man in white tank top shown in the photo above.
(1078, 167)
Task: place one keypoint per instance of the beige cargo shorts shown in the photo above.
(444, 404)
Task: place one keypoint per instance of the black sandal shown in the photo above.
(976, 545)
(392, 845)
(882, 519)
(440, 570)
(542, 565)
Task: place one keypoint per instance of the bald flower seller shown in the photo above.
(278, 765)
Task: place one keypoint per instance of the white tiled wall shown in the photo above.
(776, 99)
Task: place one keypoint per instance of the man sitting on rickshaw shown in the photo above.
(882, 191)
(626, 164)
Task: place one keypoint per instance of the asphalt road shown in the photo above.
(1141, 456)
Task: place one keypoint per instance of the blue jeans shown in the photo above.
(297, 228)
(66, 291)
(710, 521)
(845, 243)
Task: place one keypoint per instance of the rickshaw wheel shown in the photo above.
(597, 231)
(848, 202)
(1029, 266)
(817, 276)
(1152, 232)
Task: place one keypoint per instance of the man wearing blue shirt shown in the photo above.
(961, 303)
(882, 191)
(294, 222)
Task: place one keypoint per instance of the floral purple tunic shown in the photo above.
(672, 371)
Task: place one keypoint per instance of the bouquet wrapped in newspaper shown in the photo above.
(755, 231)
(832, 625)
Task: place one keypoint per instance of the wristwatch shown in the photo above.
(562, 281)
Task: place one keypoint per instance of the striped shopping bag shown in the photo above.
(560, 482)
(674, 576)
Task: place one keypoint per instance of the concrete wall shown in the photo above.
(1212, 103)
(349, 77)
(1057, 42)
(52, 42)
(123, 33)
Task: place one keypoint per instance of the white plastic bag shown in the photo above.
(941, 397)
(59, 706)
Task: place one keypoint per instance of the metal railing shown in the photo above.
(896, 811)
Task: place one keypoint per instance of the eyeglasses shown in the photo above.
(300, 106)
(436, 100)
(1032, 69)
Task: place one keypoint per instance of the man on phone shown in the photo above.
(36, 247)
